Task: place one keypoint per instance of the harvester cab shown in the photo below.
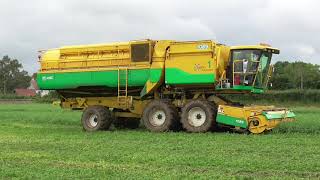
(250, 68)
(249, 71)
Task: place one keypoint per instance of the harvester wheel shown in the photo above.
(126, 123)
(160, 116)
(198, 116)
(95, 118)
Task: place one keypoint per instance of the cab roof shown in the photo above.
(262, 47)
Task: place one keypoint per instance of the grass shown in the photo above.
(12, 96)
(44, 142)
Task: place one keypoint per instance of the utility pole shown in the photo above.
(4, 76)
(301, 77)
(4, 84)
(301, 81)
(4, 88)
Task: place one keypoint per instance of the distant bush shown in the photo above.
(13, 96)
(52, 96)
(286, 96)
(297, 96)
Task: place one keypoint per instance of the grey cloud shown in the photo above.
(28, 26)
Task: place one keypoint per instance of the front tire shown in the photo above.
(160, 116)
(95, 118)
(198, 116)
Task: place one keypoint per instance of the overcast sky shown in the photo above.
(28, 26)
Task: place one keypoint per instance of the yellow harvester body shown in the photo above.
(125, 77)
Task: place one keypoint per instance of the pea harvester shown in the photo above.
(166, 84)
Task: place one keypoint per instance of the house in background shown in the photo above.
(25, 92)
(32, 90)
(34, 85)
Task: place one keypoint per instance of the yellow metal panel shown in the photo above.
(110, 102)
(160, 50)
(84, 57)
(95, 47)
(186, 47)
(51, 55)
(223, 57)
(194, 57)
(237, 112)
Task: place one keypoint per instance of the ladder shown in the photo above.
(123, 87)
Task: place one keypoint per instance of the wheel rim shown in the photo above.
(197, 116)
(93, 120)
(157, 118)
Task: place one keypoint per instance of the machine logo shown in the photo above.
(203, 46)
(44, 78)
(197, 67)
(240, 121)
(201, 67)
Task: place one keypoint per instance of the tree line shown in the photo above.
(295, 75)
(12, 75)
(286, 75)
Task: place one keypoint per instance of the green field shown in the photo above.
(44, 142)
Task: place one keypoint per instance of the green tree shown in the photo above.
(12, 75)
(296, 75)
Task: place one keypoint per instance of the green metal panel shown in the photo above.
(289, 114)
(177, 76)
(257, 91)
(229, 120)
(155, 75)
(70, 80)
(243, 88)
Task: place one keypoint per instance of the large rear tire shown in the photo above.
(95, 118)
(160, 116)
(198, 116)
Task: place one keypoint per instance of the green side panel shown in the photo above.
(290, 114)
(243, 88)
(229, 120)
(70, 80)
(178, 76)
(257, 91)
(155, 75)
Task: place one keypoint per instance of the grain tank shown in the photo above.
(168, 84)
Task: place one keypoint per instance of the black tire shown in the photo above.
(126, 123)
(198, 116)
(157, 111)
(95, 118)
